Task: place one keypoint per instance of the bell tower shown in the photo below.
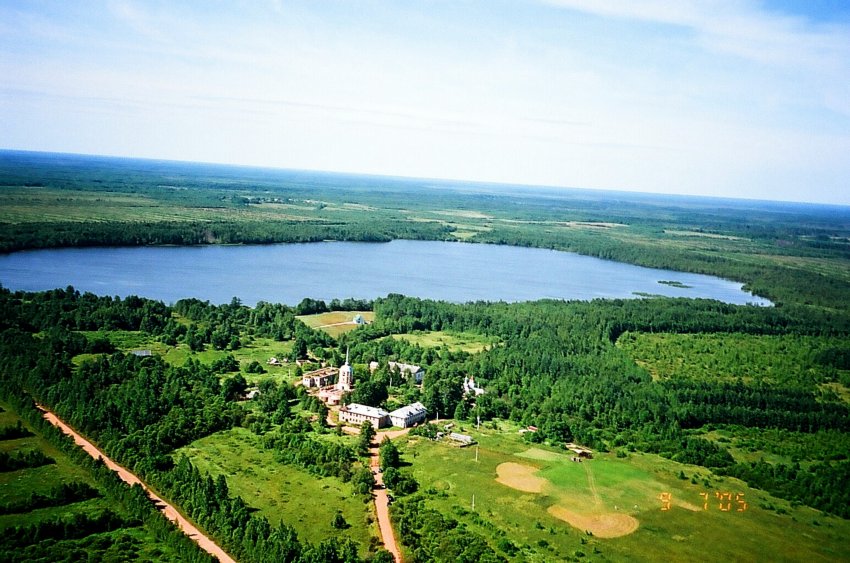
(346, 376)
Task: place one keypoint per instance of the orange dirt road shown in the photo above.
(382, 501)
(382, 506)
(170, 512)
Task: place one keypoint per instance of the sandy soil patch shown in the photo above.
(520, 477)
(605, 525)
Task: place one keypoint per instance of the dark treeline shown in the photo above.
(60, 495)
(702, 402)
(293, 445)
(431, 536)
(76, 526)
(22, 236)
(823, 485)
(14, 432)
(23, 460)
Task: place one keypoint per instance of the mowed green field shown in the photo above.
(336, 322)
(454, 341)
(604, 494)
(283, 492)
(16, 486)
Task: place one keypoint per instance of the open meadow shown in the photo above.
(638, 508)
(454, 341)
(282, 492)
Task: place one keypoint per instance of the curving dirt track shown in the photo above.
(170, 512)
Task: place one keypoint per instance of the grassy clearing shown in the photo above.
(336, 322)
(609, 485)
(455, 341)
(282, 492)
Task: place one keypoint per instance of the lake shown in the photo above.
(287, 273)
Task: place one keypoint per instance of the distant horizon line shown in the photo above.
(482, 183)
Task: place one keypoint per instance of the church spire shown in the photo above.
(346, 375)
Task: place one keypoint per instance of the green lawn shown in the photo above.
(632, 486)
(283, 492)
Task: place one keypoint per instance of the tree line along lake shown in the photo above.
(287, 273)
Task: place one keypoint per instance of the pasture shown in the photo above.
(633, 508)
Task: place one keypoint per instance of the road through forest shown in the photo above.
(170, 512)
(382, 501)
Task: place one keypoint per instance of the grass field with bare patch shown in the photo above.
(635, 508)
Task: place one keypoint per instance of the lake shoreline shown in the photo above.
(288, 272)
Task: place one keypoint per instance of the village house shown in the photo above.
(414, 371)
(356, 414)
(409, 415)
(318, 378)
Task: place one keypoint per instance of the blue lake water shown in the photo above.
(287, 273)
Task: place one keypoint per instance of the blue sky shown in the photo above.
(737, 98)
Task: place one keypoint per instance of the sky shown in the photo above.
(730, 98)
